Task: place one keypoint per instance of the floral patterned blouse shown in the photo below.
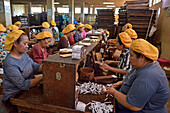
(3, 52)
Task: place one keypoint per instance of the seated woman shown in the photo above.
(77, 35)
(39, 51)
(123, 42)
(18, 23)
(133, 35)
(146, 88)
(124, 28)
(55, 30)
(18, 66)
(3, 51)
(46, 27)
(86, 30)
(68, 32)
(71, 39)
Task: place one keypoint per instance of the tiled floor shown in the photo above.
(168, 103)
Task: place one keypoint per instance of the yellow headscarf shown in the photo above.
(130, 25)
(43, 35)
(2, 28)
(107, 32)
(45, 25)
(88, 26)
(145, 48)
(125, 38)
(53, 23)
(17, 23)
(68, 28)
(11, 37)
(12, 27)
(81, 25)
(132, 33)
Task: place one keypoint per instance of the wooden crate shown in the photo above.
(60, 79)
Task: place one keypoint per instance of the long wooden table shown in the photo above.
(58, 93)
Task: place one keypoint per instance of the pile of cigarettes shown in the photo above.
(91, 88)
(98, 107)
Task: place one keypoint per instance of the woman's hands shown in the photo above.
(109, 90)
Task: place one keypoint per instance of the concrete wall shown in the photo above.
(163, 32)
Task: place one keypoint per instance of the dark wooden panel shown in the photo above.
(59, 92)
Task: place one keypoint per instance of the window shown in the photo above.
(91, 10)
(117, 11)
(62, 10)
(85, 10)
(36, 9)
(156, 1)
(77, 10)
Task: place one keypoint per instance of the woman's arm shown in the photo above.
(116, 70)
(40, 68)
(35, 81)
(121, 98)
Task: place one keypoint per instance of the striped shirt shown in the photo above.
(124, 63)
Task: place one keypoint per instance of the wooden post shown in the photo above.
(5, 12)
(50, 10)
(71, 11)
(29, 7)
(88, 8)
(82, 12)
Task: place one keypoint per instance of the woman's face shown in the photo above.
(45, 42)
(134, 61)
(86, 30)
(119, 47)
(22, 46)
(70, 34)
(81, 29)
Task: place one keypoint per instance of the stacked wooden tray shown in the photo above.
(105, 20)
(139, 15)
(137, 4)
(122, 17)
(22, 19)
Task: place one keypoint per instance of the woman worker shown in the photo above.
(3, 51)
(123, 42)
(125, 27)
(68, 32)
(86, 30)
(55, 30)
(39, 51)
(77, 35)
(18, 66)
(145, 89)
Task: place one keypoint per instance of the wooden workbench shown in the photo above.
(32, 101)
(58, 92)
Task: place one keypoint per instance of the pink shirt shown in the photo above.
(84, 33)
(37, 54)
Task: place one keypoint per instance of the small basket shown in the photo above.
(86, 73)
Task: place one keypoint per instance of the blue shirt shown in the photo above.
(17, 74)
(77, 37)
(147, 88)
(124, 63)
